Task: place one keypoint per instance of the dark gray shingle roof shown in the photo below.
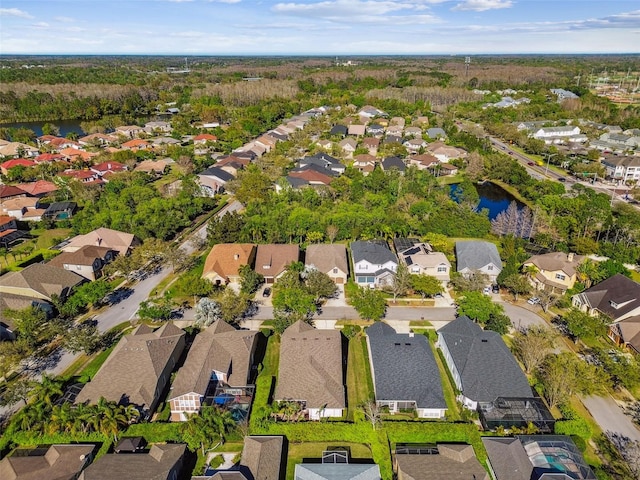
(486, 366)
(474, 255)
(404, 367)
(376, 252)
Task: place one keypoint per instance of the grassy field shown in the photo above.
(447, 387)
(359, 382)
(298, 452)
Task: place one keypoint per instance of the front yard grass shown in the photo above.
(359, 381)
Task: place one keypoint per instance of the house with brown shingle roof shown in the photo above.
(423, 161)
(443, 462)
(40, 281)
(39, 188)
(135, 145)
(58, 462)
(219, 364)
(330, 259)
(225, 259)
(7, 192)
(122, 242)
(617, 297)
(153, 167)
(88, 261)
(138, 369)
(311, 370)
(272, 260)
(556, 271)
(162, 462)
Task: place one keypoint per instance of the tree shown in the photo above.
(232, 305)
(207, 311)
(250, 280)
(531, 346)
(16, 391)
(401, 282)
(201, 429)
(584, 326)
(426, 285)
(514, 221)
(588, 272)
(319, 284)
(478, 306)
(30, 325)
(369, 303)
(84, 337)
(564, 375)
(372, 413)
(47, 389)
(499, 323)
(158, 309)
(226, 228)
(547, 299)
(517, 285)
(474, 281)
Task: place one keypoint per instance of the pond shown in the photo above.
(494, 198)
(65, 126)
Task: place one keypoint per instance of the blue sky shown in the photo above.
(318, 27)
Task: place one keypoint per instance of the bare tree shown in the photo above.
(372, 413)
(332, 232)
(531, 346)
(514, 221)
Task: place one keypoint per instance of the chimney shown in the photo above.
(411, 334)
(236, 256)
(98, 241)
(570, 257)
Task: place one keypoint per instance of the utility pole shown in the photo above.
(467, 62)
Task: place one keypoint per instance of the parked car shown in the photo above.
(533, 301)
(266, 292)
(486, 290)
(562, 179)
(531, 164)
(495, 289)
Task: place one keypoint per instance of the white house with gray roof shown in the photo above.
(481, 365)
(478, 256)
(405, 373)
(374, 264)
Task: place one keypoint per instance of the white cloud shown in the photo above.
(14, 12)
(40, 25)
(64, 19)
(483, 5)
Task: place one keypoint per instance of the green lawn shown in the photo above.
(447, 386)
(298, 452)
(359, 382)
(268, 374)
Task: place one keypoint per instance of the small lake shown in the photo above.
(65, 126)
(494, 198)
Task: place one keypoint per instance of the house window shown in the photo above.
(614, 304)
(559, 276)
(442, 268)
(490, 267)
(335, 271)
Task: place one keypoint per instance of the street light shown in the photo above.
(549, 155)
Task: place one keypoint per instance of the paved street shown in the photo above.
(610, 417)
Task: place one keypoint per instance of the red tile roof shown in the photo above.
(39, 187)
(4, 219)
(205, 137)
(16, 162)
(48, 157)
(8, 191)
(109, 167)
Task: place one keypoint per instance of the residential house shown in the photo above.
(348, 146)
(152, 167)
(374, 264)
(311, 370)
(556, 271)
(5, 167)
(263, 458)
(436, 132)
(136, 145)
(398, 121)
(617, 297)
(626, 333)
(371, 144)
(365, 163)
(622, 168)
(129, 131)
(444, 461)
(18, 302)
(272, 260)
(18, 207)
(39, 188)
(162, 462)
(160, 144)
(48, 158)
(121, 242)
(393, 163)
(369, 111)
(626, 142)
(405, 373)
(478, 256)
(9, 233)
(267, 141)
(324, 161)
(447, 169)
(218, 369)
(413, 132)
(375, 129)
(330, 259)
(224, 261)
(444, 152)
(536, 457)
(138, 369)
(8, 192)
(108, 167)
(97, 140)
(392, 139)
(88, 261)
(357, 130)
(420, 259)
(40, 281)
(7, 223)
(413, 145)
(83, 176)
(325, 144)
(546, 133)
(563, 94)
(74, 155)
(423, 161)
(339, 131)
(157, 127)
(213, 180)
(394, 130)
(481, 365)
(57, 462)
(337, 470)
(17, 149)
(309, 176)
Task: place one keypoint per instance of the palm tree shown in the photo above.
(223, 422)
(61, 419)
(111, 418)
(587, 272)
(47, 389)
